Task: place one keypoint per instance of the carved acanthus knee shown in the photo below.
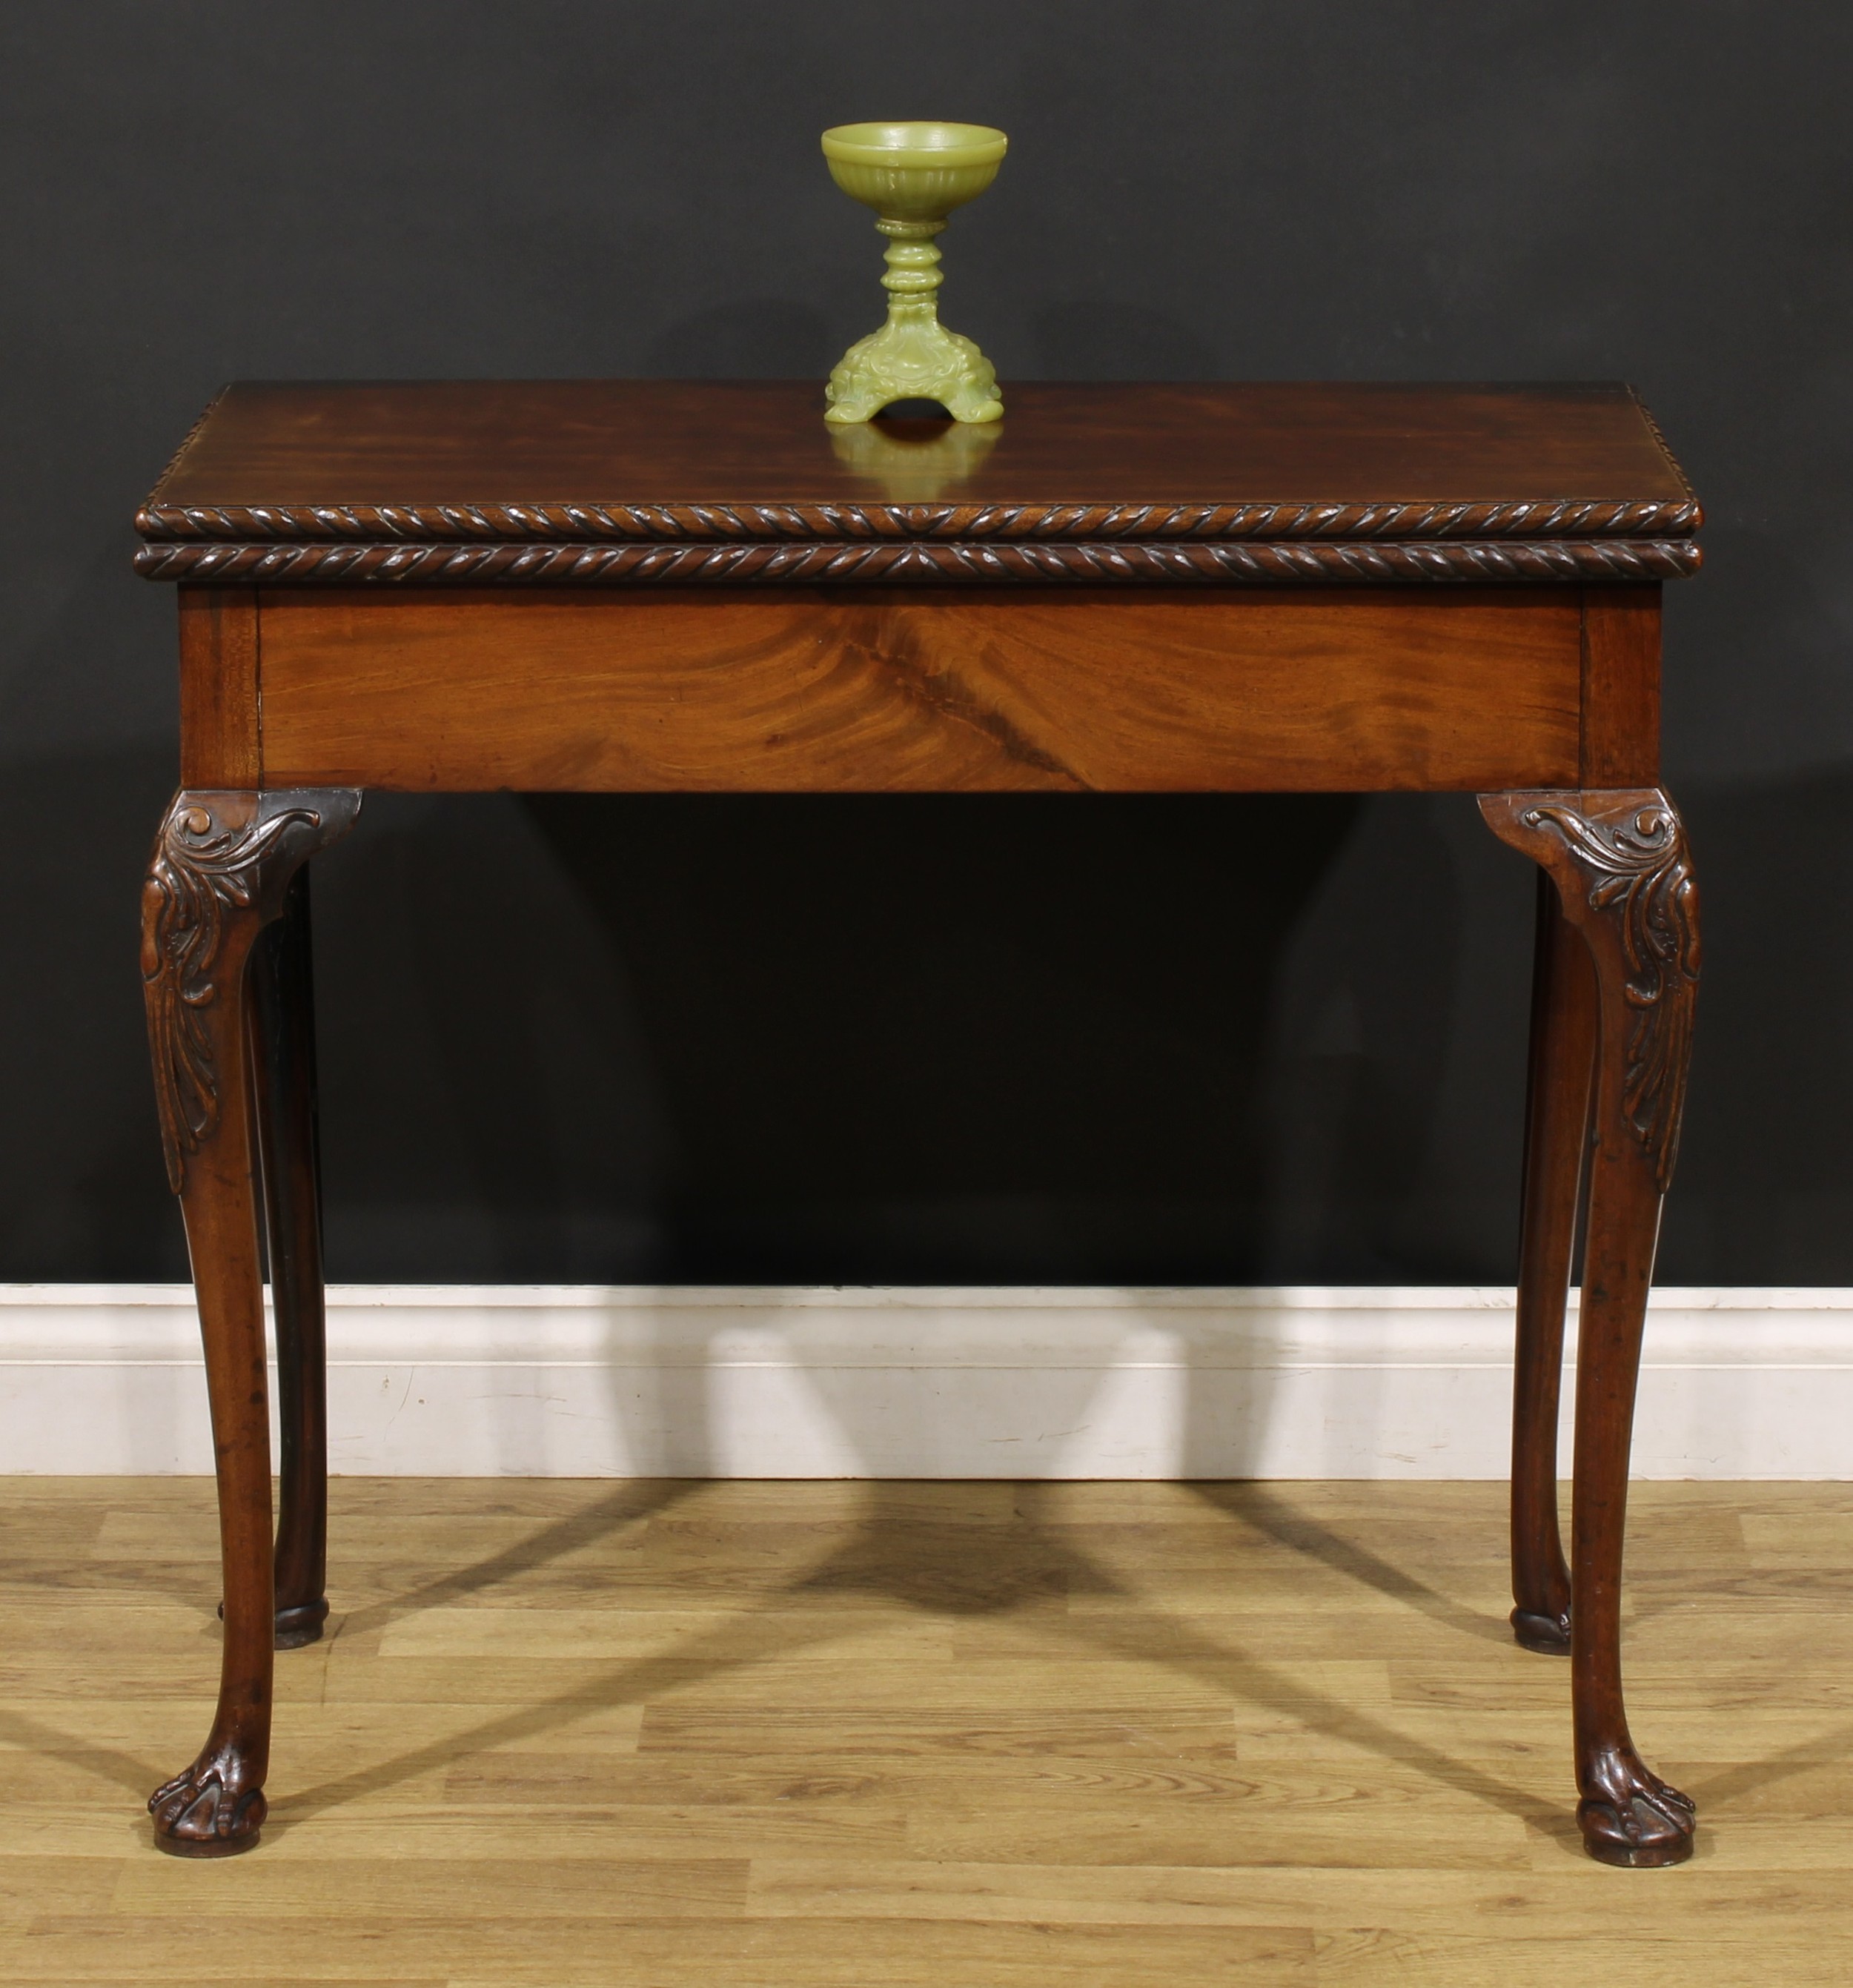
(221, 863)
(1622, 869)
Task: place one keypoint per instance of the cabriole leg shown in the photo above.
(1620, 864)
(282, 1053)
(221, 866)
(1556, 1131)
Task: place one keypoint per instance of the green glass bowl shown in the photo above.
(914, 172)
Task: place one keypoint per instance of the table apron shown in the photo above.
(924, 690)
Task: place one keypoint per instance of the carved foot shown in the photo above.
(206, 1812)
(296, 1626)
(974, 401)
(1549, 1636)
(853, 407)
(300, 1626)
(1636, 1821)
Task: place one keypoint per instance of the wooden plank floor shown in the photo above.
(857, 1734)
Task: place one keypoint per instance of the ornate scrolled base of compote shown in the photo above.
(914, 360)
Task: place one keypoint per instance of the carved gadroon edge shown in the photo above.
(1623, 872)
(220, 857)
(874, 560)
(751, 523)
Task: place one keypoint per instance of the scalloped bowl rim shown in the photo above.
(929, 144)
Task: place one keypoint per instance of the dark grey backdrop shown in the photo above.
(998, 1038)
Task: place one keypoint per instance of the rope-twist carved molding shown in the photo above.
(1624, 854)
(913, 561)
(219, 858)
(754, 523)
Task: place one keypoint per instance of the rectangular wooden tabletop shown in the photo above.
(459, 480)
(664, 442)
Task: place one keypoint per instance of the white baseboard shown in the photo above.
(581, 1381)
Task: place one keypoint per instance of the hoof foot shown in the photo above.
(296, 1626)
(196, 1815)
(1549, 1636)
(1644, 1826)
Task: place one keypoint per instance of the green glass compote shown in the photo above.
(913, 176)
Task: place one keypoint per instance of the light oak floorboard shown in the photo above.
(858, 1736)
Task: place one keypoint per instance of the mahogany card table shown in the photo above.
(648, 587)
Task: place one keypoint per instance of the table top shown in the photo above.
(567, 481)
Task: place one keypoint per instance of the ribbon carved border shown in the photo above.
(1555, 518)
(879, 559)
